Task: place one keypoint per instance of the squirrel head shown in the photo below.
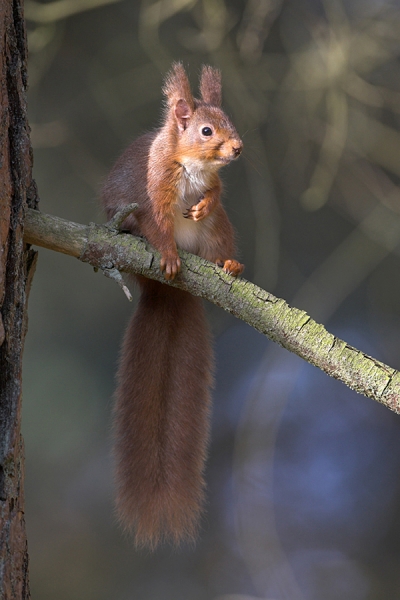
(204, 133)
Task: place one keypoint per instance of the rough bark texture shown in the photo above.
(16, 268)
(105, 249)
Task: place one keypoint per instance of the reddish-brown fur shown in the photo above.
(165, 371)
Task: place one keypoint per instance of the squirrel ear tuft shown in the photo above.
(177, 87)
(210, 85)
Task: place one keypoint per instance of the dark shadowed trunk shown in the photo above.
(16, 269)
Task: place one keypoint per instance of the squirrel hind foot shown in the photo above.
(231, 266)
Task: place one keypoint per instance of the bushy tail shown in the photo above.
(162, 416)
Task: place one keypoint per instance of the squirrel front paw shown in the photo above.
(231, 266)
(170, 265)
(199, 211)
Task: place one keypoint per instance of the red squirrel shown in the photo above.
(161, 418)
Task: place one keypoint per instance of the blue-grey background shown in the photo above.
(303, 474)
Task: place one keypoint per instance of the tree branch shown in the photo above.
(105, 248)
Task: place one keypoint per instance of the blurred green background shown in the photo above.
(303, 474)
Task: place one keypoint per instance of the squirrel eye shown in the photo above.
(206, 131)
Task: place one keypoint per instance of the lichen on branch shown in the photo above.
(106, 249)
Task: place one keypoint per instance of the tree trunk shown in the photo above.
(17, 262)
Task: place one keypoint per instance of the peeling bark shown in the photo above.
(17, 262)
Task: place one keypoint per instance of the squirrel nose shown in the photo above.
(237, 149)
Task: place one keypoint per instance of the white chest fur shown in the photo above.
(192, 235)
(195, 180)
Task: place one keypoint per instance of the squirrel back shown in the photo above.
(161, 418)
